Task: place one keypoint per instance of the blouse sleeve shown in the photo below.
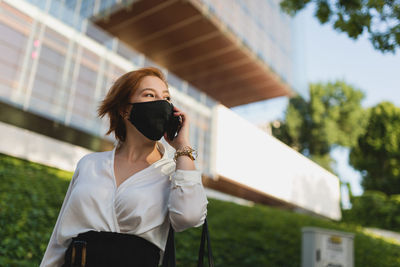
(187, 200)
(54, 255)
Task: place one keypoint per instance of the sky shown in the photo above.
(327, 55)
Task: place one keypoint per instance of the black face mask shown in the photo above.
(151, 118)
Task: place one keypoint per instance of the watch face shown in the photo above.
(191, 152)
(194, 154)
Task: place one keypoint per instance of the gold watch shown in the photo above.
(186, 151)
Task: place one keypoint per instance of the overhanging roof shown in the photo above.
(188, 40)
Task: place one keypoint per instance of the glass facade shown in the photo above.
(263, 28)
(259, 24)
(57, 64)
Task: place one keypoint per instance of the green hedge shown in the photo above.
(31, 195)
(375, 209)
(30, 198)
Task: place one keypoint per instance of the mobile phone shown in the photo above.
(173, 127)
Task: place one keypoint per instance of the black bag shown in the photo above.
(169, 259)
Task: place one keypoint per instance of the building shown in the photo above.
(59, 58)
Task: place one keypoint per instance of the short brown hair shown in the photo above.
(118, 96)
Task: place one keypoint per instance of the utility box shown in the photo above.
(326, 248)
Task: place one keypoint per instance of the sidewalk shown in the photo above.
(395, 236)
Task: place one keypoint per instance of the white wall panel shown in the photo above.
(250, 156)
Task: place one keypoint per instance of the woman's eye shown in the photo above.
(149, 95)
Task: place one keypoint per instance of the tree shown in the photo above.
(332, 115)
(375, 209)
(380, 18)
(377, 153)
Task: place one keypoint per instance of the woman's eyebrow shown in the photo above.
(152, 89)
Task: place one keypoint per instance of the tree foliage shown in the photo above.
(380, 18)
(375, 209)
(377, 153)
(332, 115)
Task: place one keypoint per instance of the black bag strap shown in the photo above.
(205, 234)
(169, 259)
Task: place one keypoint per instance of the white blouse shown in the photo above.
(144, 204)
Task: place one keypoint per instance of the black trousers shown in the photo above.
(109, 249)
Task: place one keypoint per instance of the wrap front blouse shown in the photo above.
(144, 204)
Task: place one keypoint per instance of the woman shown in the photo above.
(120, 203)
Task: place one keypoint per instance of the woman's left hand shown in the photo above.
(182, 139)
